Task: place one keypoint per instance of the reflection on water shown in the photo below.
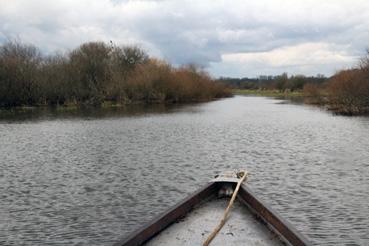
(87, 178)
(51, 113)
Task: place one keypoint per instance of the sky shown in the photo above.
(234, 38)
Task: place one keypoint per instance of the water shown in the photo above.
(88, 179)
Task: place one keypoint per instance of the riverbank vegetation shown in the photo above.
(346, 92)
(98, 73)
(268, 93)
(279, 83)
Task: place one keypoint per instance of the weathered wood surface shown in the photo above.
(170, 216)
(281, 229)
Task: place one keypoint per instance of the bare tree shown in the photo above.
(19, 72)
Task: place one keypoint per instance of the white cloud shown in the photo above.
(297, 55)
(267, 32)
(305, 58)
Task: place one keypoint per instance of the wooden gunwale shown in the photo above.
(274, 221)
(277, 224)
(174, 213)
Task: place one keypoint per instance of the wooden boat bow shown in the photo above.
(282, 228)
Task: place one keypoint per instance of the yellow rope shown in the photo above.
(242, 176)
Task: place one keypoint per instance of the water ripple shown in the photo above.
(88, 181)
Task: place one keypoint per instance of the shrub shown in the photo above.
(19, 74)
(348, 91)
(95, 72)
(55, 82)
(89, 69)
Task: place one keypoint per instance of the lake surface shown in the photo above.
(89, 178)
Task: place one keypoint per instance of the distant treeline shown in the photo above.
(97, 72)
(280, 82)
(346, 92)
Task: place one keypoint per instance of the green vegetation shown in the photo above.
(98, 74)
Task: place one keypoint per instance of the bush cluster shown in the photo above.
(348, 90)
(96, 72)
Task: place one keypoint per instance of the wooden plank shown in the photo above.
(271, 218)
(159, 223)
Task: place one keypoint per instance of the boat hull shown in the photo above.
(285, 232)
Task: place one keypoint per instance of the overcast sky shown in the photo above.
(230, 38)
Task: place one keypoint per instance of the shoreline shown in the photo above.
(106, 104)
(320, 101)
(268, 93)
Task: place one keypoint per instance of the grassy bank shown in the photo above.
(268, 93)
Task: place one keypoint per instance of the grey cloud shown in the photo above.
(193, 32)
